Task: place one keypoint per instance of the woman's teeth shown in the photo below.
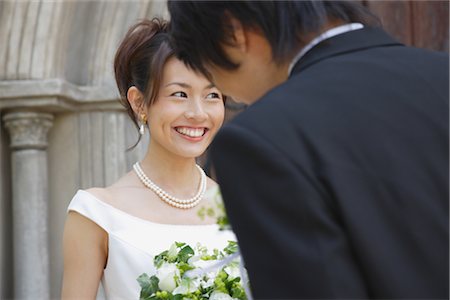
(198, 132)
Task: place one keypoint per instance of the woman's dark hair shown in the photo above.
(140, 60)
(199, 28)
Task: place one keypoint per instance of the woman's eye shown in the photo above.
(180, 94)
(213, 96)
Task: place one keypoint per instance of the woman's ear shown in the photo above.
(136, 100)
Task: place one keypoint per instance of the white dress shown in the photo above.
(133, 242)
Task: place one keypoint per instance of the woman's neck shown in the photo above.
(175, 174)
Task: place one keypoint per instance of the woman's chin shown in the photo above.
(191, 152)
(192, 149)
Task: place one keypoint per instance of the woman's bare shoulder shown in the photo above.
(114, 192)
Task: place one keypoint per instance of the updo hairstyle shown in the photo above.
(140, 60)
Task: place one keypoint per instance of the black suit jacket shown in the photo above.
(336, 181)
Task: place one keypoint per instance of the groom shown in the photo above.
(335, 178)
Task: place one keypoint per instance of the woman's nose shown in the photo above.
(196, 111)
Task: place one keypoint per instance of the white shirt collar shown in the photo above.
(326, 35)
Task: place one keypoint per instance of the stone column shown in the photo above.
(28, 134)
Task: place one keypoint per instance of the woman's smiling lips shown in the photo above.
(194, 134)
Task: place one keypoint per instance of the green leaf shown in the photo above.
(143, 279)
(220, 282)
(210, 212)
(237, 291)
(149, 286)
(185, 253)
(231, 248)
(223, 223)
(183, 267)
(202, 213)
(149, 298)
(231, 283)
(160, 258)
(179, 245)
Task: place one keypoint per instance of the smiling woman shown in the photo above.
(187, 114)
(111, 233)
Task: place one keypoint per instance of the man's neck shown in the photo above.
(306, 39)
(327, 31)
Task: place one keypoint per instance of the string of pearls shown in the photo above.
(166, 197)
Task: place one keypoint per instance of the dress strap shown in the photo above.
(90, 207)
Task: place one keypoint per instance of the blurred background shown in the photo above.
(62, 128)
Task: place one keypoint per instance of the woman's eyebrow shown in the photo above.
(209, 86)
(187, 86)
(182, 84)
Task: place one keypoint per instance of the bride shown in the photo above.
(112, 233)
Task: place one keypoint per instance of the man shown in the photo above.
(335, 178)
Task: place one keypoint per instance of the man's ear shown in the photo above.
(136, 100)
(246, 39)
(238, 33)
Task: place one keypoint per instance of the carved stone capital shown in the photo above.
(28, 130)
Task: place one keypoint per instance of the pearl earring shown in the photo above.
(142, 127)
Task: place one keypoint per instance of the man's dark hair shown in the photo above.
(199, 28)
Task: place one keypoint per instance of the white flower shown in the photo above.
(199, 263)
(187, 286)
(233, 271)
(208, 283)
(220, 296)
(166, 275)
(182, 289)
(193, 259)
(203, 264)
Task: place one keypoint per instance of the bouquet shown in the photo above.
(217, 211)
(183, 272)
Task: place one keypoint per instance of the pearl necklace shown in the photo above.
(166, 197)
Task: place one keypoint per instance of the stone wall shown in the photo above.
(6, 251)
